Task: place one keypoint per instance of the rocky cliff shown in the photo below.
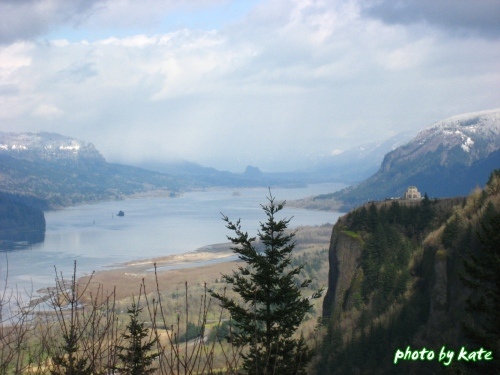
(397, 279)
(19, 222)
(344, 258)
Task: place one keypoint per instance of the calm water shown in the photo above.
(96, 238)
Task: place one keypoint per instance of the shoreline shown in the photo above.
(170, 271)
(195, 258)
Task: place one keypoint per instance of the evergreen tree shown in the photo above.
(68, 363)
(271, 307)
(373, 217)
(136, 357)
(483, 278)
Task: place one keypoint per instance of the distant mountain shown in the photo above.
(47, 147)
(63, 171)
(449, 158)
(358, 163)
(59, 170)
(350, 166)
(194, 175)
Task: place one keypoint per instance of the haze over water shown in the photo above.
(96, 238)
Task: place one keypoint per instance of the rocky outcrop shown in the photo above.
(19, 222)
(439, 285)
(419, 280)
(438, 271)
(344, 253)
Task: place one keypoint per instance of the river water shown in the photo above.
(94, 237)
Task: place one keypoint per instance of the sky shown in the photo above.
(275, 84)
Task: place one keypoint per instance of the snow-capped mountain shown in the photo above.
(449, 158)
(46, 147)
(62, 171)
(462, 139)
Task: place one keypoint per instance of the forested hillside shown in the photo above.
(65, 171)
(401, 275)
(21, 219)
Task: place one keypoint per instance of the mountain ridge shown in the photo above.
(448, 158)
(65, 171)
(47, 146)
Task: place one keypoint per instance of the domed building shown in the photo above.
(412, 193)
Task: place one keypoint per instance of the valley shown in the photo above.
(393, 267)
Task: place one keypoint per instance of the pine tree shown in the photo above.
(136, 357)
(270, 308)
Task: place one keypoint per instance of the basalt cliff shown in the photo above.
(412, 275)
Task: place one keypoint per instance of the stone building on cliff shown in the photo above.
(412, 193)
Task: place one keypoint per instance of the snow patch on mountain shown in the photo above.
(476, 134)
(467, 144)
(46, 146)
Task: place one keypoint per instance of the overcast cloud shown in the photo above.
(269, 83)
(462, 17)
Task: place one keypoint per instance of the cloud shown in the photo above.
(457, 16)
(287, 80)
(47, 110)
(9, 90)
(27, 19)
(31, 19)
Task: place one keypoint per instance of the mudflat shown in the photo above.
(204, 265)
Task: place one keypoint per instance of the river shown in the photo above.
(96, 238)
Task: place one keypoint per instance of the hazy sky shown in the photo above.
(268, 83)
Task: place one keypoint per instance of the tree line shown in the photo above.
(21, 219)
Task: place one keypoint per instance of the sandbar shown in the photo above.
(203, 265)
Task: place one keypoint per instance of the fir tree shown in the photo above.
(136, 356)
(68, 363)
(482, 276)
(271, 307)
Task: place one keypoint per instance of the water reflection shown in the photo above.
(95, 237)
(22, 240)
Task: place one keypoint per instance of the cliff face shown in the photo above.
(436, 267)
(344, 257)
(396, 280)
(19, 222)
